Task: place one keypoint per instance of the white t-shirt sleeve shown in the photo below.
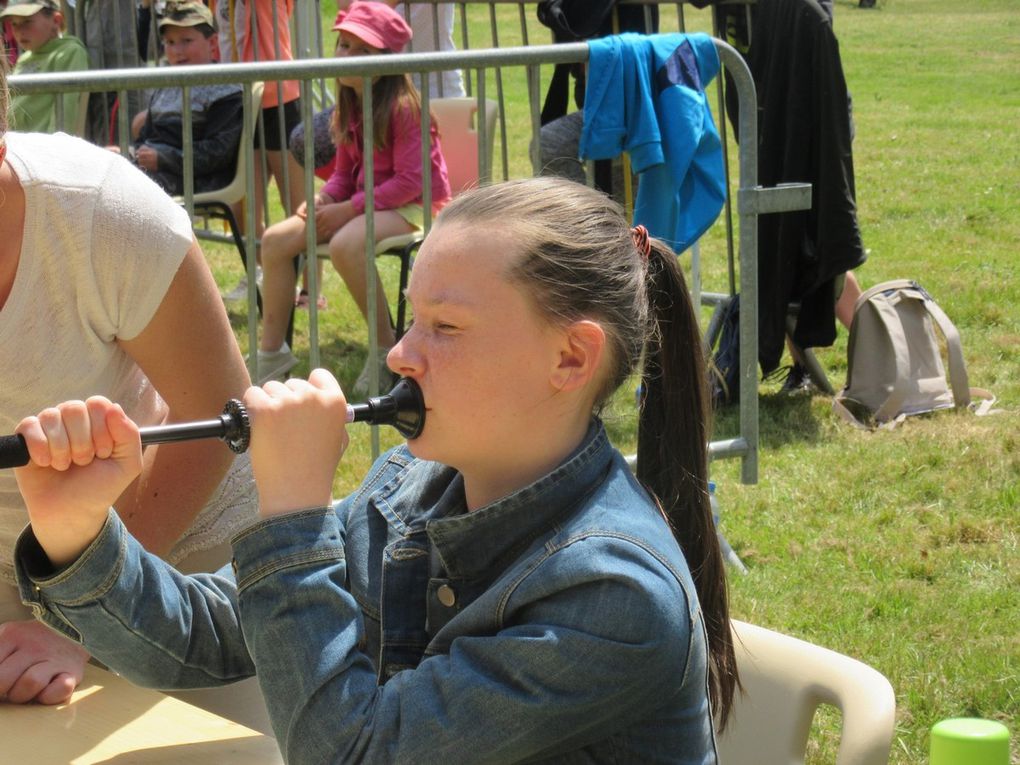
(139, 239)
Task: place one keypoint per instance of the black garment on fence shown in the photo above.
(804, 135)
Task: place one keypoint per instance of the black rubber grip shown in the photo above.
(13, 451)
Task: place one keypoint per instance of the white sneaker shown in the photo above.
(386, 377)
(274, 365)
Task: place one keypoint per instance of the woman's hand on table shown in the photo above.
(38, 664)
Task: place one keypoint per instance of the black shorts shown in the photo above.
(271, 119)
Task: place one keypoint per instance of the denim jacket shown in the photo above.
(558, 624)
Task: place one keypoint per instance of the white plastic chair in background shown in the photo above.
(217, 203)
(785, 680)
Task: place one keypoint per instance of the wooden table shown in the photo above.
(108, 720)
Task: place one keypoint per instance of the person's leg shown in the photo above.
(281, 243)
(289, 175)
(347, 252)
(848, 299)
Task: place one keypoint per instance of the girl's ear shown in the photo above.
(580, 355)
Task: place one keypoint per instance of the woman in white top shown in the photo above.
(103, 289)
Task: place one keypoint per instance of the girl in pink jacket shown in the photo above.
(366, 28)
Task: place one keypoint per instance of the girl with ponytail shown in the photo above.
(501, 588)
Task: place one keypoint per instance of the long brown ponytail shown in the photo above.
(675, 469)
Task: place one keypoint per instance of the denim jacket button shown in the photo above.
(446, 595)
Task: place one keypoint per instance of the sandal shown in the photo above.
(301, 301)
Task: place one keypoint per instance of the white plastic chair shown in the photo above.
(217, 203)
(785, 680)
(458, 133)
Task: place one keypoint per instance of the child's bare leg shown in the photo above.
(293, 183)
(347, 252)
(280, 244)
(847, 299)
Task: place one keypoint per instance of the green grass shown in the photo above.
(899, 548)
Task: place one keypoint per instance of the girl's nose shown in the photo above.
(403, 358)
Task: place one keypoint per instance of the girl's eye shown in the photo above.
(436, 326)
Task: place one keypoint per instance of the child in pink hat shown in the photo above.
(365, 29)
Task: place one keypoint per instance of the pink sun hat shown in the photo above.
(376, 23)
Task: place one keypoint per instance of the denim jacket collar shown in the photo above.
(508, 524)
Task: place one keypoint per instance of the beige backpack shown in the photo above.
(894, 362)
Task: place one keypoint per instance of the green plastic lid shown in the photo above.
(969, 741)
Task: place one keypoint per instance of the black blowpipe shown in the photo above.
(403, 408)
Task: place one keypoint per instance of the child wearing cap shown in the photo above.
(188, 33)
(37, 27)
(366, 28)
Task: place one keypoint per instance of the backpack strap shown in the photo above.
(892, 284)
(957, 367)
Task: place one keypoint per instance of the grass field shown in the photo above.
(899, 548)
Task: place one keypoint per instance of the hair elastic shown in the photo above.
(641, 241)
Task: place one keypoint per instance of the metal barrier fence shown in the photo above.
(751, 199)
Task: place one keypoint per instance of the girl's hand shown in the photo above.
(84, 454)
(147, 158)
(298, 434)
(330, 217)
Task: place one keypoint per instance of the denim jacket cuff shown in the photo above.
(286, 541)
(88, 578)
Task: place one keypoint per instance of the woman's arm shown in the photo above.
(189, 353)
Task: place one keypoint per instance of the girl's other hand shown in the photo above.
(84, 454)
(298, 434)
(330, 217)
(147, 158)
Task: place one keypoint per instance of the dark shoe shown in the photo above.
(866, 4)
(797, 380)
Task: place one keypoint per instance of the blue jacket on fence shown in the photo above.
(557, 624)
(646, 96)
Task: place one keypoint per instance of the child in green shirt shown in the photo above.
(37, 26)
